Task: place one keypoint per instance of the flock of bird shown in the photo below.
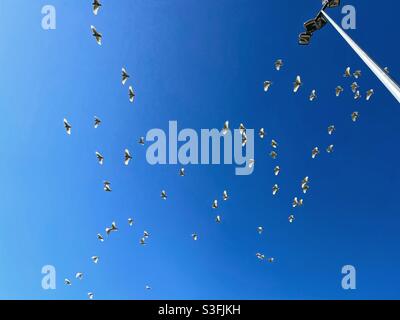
(305, 183)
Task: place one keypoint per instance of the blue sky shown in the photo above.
(200, 63)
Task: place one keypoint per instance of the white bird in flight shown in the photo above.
(79, 275)
(96, 6)
(195, 236)
(100, 237)
(130, 222)
(313, 95)
(67, 282)
(215, 204)
(347, 73)
(370, 93)
(277, 170)
(273, 154)
(97, 35)
(131, 94)
(354, 116)
(261, 133)
(297, 202)
(225, 195)
(278, 64)
(107, 186)
(113, 228)
(100, 158)
(225, 129)
(97, 122)
(90, 295)
(95, 259)
(331, 129)
(338, 90)
(124, 76)
(297, 84)
(357, 74)
(127, 157)
(291, 218)
(163, 195)
(275, 189)
(67, 126)
(314, 152)
(267, 85)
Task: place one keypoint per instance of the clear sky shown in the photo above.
(200, 63)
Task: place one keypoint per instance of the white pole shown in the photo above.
(392, 86)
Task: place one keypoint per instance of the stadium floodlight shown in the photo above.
(322, 19)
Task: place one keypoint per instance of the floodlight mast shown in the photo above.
(388, 82)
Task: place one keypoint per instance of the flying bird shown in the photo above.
(146, 234)
(354, 87)
(194, 237)
(131, 94)
(273, 154)
(79, 275)
(331, 129)
(357, 95)
(261, 133)
(354, 116)
(113, 228)
(297, 84)
(107, 186)
(244, 139)
(275, 189)
(124, 76)
(95, 259)
(215, 204)
(278, 64)
(242, 129)
(260, 256)
(218, 219)
(163, 195)
(277, 170)
(297, 202)
(90, 295)
(313, 95)
(100, 158)
(97, 122)
(142, 241)
(182, 172)
(260, 230)
(141, 141)
(225, 195)
(97, 35)
(369, 94)
(127, 157)
(267, 85)
(338, 90)
(251, 163)
(347, 73)
(357, 74)
(67, 282)
(271, 260)
(386, 69)
(130, 222)
(329, 149)
(291, 218)
(274, 144)
(67, 126)
(314, 152)
(100, 237)
(96, 6)
(225, 129)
